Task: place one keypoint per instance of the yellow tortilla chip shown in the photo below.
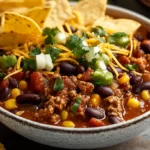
(91, 10)
(6, 4)
(60, 12)
(39, 15)
(13, 22)
(14, 39)
(116, 25)
(34, 3)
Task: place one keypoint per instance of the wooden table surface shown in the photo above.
(13, 141)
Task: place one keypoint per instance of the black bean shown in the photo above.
(67, 68)
(28, 99)
(12, 82)
(141, 86)
(119, 70)
(96, 113)
(104, 91)
(139, 37)
(134, 79)
(114, 119)
(4, 93)
(145, 45)
(80, 69)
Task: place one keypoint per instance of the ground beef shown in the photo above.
(86, 76)
(147, 56)
(141, 62)
(85, 87)
(113, 106)
(118, 92)
(55, 103)
(69, 83)
(85, 99)
(72, 83)
(54, 118)
(64, 98)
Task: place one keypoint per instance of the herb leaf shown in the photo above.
(76, 45)
(29, 64)
(50, 33)
(58, 85)
(54, 52)
(75, 106)
(98, 30)
(35, 51)
(131, 67)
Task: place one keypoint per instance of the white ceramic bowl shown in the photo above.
(81, 138)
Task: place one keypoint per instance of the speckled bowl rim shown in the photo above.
(46, 127)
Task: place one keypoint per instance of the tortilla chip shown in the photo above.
(14, 39)
(91, 10)
(13, 22)
(6, 4)
(34, 3)
(60, 12)
(116, 25)
(39, 15)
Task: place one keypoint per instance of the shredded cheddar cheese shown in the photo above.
(13, 73)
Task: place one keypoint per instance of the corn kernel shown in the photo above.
(145, 95)
(133, 103)
(79, 76)
(95, 100)
(68, 124)
(23, 85)
(124, 79)
(10, 104)
(15, 92)
(64, 115)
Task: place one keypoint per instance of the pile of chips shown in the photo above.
(22, 21)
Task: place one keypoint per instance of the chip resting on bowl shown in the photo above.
(116, 25)
(91, 10)
(13, 22)
(39, 15)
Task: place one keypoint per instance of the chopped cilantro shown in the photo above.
(85, 35)
(75, 43)
(29, 64)
(131, 67)
(92, 63)
(54, 52)
(50, 34)
(35, 51)
(98, 30)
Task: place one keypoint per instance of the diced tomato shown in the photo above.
(96, 122)
(4, 84)
(18, 76)
(37, 82)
